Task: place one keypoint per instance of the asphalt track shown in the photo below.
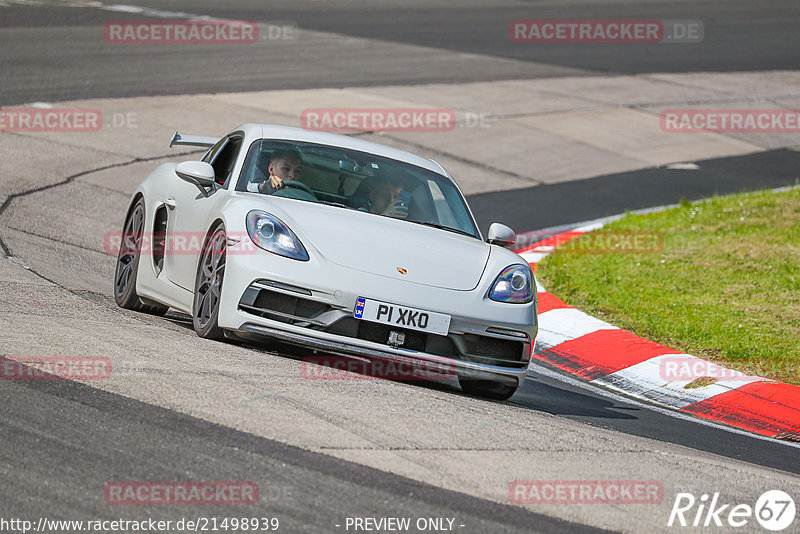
(62, 441)
(393, 43)
(58, 460)
(576, 201)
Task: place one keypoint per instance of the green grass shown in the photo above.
(725, 287)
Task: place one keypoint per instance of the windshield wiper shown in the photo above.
(337, 204)
(442, 227)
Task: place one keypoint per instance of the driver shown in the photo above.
(285, 164)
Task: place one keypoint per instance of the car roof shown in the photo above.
(290, 133)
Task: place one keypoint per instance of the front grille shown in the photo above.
(289, 304)
(379, 333)
(285, 307)
(492, 348)
(466, 347)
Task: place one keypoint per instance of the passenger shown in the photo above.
(383, 200)
(285, 164)
(381, 197)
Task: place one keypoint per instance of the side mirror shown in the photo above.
(198, 173)
(500, 234)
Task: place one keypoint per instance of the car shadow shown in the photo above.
(319, 365)
(537, 393)
(543, 395)
(179, 319)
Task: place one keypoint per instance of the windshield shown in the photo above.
(355, 180)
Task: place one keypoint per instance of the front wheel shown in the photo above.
(208, 286)
(487, 389)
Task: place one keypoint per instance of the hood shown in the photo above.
(384, 246)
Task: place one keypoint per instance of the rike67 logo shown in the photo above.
(774, 510)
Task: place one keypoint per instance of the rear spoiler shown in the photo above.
(193, 140)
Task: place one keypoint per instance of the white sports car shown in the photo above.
(369, 252)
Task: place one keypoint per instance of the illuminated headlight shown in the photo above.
(514, 284)
(271, 234)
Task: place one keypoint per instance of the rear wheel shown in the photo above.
(487, 389)
(128, 265)
(208, 286)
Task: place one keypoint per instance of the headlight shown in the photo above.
(271, 234)
(514, 284)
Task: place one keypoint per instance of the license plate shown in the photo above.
(401, 316)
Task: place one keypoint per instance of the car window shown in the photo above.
(360, 181)
(214, 150)
(222, 157)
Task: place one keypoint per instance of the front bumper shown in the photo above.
(467, 370)
(479, 327)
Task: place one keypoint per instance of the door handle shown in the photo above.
(170, 203)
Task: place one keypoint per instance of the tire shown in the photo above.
(208, 286)
(128, 265)
(487, 389)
